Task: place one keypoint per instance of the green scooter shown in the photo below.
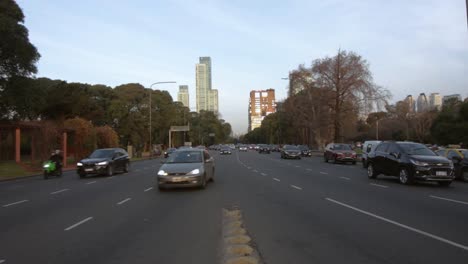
(50, 169)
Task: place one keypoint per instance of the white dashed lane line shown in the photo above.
(296, 187)
(378, 185)
(255, 171)
(263, 174)
(323, 173)
(15, 203)
(309, 169)
(441, 239)
(449, 200)
(249, 168)
(60, 191)
(149, 189)
(79, 223)
(2, 261)
(278, 180)
(345, 178)
(91, 182)
(124, 201)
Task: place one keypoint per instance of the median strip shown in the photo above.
(296, 187)
(15, 203)
(441, 239)
(60, 191)
(79, 223)
(91, 182)
(447, 199)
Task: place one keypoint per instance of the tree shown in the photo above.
(106, 137)
(83, 137)
(17, 55)
(348, 78)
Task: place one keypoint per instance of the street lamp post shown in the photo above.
(150, 110)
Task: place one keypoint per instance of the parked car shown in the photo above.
(290, 152)
(243, 148)
(104, 162)
(168, 152)
(275, 148)
(459, 158)
(187, 168)
(339, 153)
(305, 151)
(367, 148)
(409, 161)
(262, 148)
(225, 150)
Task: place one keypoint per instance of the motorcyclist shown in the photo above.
(57, 159)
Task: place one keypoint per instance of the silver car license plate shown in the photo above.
(177, 179)
(441, 173)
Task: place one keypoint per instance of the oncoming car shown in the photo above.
(186, 168)
(104, 161)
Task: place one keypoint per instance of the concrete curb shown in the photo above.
(237, 245)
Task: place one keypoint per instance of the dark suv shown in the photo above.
(262, 148)
(104, 161)
(409, 161)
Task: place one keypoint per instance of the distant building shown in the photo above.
(422, 103)
(261, 104)
(411, 104)
(206, 97)
(435, 101)
(450, 97)
(183, 95)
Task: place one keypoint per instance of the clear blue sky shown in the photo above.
(412, 46)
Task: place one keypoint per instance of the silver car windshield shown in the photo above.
(185, 157)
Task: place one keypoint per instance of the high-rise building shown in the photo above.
(422, 103)
(183, 95)
(206, 97)
(411, 105)
(435, 101)
(451, 97)
(261, 104)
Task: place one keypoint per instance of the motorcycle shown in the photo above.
(50, 169)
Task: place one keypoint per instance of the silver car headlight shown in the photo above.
(79, 164)
(162, 173)
(194, 172)
(103, 163)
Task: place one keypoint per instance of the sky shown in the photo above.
(412, 46)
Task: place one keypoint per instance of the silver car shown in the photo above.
(187, 168)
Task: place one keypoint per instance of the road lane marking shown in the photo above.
(296, 187)
(263, 174)
(2, 261)
(91, 182)
(447, 199)
(345, 178)
(255, 170)
(124, 201)
(378, 185)
(22, 201)
(79, 223)
(400, 225)
(323, 173)
(149, 189)
(60, 191)
(309, 169)
(297, 166)
(249, 168)
(276, 179)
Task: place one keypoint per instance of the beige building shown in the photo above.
(206, 97)
(183, 95)
(261, 104)
(435, 101)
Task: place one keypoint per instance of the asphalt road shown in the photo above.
(297, 211)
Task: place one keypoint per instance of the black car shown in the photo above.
(168, 152)
(305, 151)
(225, 150)
(459, 158)
(290, 152)
(104, 162)
(262, 148)
(409, 162)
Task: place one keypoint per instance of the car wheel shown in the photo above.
(334, 160)
(464, 175)
(110, 170)
(212, 176)
(371, 173)
(126, 167)
(445, 183)
(404, 177)
(364, 163)
(46, 175)
(203, 184)
(325, 159)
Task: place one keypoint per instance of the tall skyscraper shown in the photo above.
(183, 95)
(435, 101)
(410, 101)
(422, 103)
(261, 104)
(207, 98)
